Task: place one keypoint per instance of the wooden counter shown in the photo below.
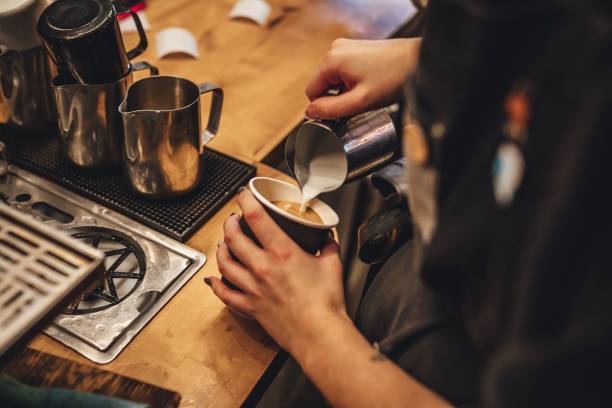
(194, 345)
(264, 71)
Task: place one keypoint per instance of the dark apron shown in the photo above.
(412, 326)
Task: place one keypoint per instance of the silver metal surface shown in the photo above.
(26, 99)
(369, 141)
(18, 23)
(163, 141)
(39, 268)
(365, 142)
(101, 335)
(91, 130)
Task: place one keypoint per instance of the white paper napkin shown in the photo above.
(176, 39)
(254, 10)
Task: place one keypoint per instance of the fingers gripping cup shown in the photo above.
(281, 200)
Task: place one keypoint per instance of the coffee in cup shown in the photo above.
(309, 229)
(295, 209)
(281, 201)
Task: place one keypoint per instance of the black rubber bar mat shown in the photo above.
(178, 218)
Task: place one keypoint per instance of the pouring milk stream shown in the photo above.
(320, 165)
(324, 155)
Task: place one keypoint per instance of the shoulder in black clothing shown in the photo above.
(532, 279)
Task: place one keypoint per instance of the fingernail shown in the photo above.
(208, 281)
(219, 243)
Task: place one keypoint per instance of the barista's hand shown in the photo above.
(372, 73)
(290, 292)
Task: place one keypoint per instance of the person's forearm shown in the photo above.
(351, 373)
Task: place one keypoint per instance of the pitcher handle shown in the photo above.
(215, 111)
(142, 65)
(142, 44)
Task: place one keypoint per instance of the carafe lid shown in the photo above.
(73, 19)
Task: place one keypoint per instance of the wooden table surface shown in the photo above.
(264, 71)
(195, 346)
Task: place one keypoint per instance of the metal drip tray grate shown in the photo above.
(177, 218)
(140, 269)
(40, 270)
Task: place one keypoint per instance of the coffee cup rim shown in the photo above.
(315, 202)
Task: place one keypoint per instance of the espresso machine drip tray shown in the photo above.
(41, 269)
(140, 269)
(177, 218)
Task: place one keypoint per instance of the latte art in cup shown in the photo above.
(294, 209)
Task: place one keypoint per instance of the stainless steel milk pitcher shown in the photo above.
(26, 99)
(337, 152)
(91, 129)
(163, 137)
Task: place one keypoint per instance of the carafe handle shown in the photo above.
(143, 43)
(142, 65)
(215, 111)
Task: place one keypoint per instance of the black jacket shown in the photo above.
(532, 280)
(508, 305)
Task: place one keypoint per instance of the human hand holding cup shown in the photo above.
(311, 235)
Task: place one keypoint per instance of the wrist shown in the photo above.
(410, 49)
(323, 330)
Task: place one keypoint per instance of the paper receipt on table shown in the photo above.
(254, 10)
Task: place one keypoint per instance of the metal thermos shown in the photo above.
(84, 40)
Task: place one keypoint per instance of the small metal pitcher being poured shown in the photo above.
(324, 155)
(163, 137)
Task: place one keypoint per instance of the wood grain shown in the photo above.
(264, 71)
(38, 369)
(195, 345)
